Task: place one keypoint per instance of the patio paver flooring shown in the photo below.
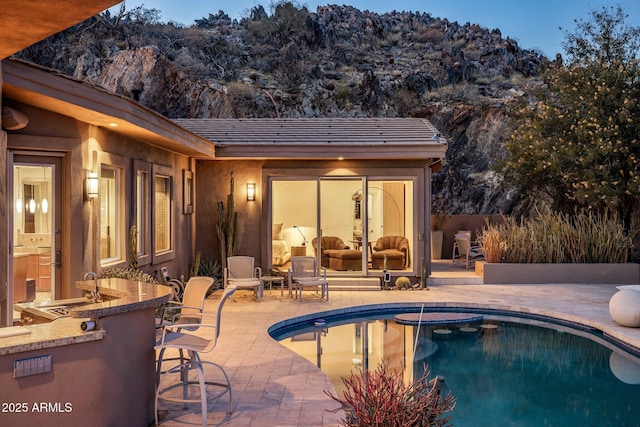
(272, 386)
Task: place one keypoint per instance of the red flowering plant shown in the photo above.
(381, 398)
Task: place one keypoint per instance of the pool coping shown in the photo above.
(273, 385)
(597, 328)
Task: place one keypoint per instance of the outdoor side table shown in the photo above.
(274, 279)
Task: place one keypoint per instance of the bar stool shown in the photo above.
(178, 337)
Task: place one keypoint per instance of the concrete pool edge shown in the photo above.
(610, 332)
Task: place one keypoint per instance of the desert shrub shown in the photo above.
(211, 268)
(342, 94)
(456, 92)
(129, 274)
(381, 398)
(558, 238)
(132, 274)
(287, 24)
(428, 35)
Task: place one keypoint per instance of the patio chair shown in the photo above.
(240, 271)
(463, 249)
(192, 305)
(188, 312)
(304, 274)
(174, 337)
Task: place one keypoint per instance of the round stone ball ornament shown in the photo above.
(624, 306)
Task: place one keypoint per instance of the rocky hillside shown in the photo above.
(335, 62)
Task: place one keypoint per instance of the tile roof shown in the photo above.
(398, 138)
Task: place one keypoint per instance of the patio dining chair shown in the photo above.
(304, 273)
(188, 312)
(241, 272)
(175, 337)
(464, 250)
(190, 308)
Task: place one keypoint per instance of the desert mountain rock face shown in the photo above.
(336, 62)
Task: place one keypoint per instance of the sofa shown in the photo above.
(396, 251)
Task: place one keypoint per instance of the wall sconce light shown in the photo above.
(91, 185)
(251, 192)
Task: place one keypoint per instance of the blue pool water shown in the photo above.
(501, 371)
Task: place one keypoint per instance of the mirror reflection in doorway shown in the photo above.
(32, 232)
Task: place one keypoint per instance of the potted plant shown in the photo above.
(437, 223)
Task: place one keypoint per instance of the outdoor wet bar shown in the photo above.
(94, 361)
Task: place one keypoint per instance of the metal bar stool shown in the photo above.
(178, 337)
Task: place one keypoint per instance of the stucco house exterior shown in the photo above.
(83, 170)
(356, 179)
(65, 134)
(166, 178)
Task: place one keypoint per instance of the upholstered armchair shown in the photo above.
(329, 243)
(395, 249)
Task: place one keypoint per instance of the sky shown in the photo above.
(533, 24)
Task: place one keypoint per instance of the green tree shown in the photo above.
(578, 143)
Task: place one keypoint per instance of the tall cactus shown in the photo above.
(194, 267)
(226, 226)
(232, 219)
(423, 275)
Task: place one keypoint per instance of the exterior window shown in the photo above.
(142, 211)
(358, 210)
(111, 221)
(163, 214)
(142, 197)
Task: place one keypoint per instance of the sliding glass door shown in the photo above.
(390, 212)
(342, 222)
(294, 212)
(337, 209)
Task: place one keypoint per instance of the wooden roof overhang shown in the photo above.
(23, 23)
(322, 138)
(49, 90)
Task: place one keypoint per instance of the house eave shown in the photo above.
(331, 152)
(27, 22)
(49, 90)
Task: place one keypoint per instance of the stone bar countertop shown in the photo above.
(64, 331)
(121, 296)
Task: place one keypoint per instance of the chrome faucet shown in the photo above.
(95, 294)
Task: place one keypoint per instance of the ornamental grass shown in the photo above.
(552, 237)
(382, 398)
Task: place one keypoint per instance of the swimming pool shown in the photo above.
(502, 369)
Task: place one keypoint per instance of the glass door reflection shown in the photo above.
(33, 238)
(342, 221)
